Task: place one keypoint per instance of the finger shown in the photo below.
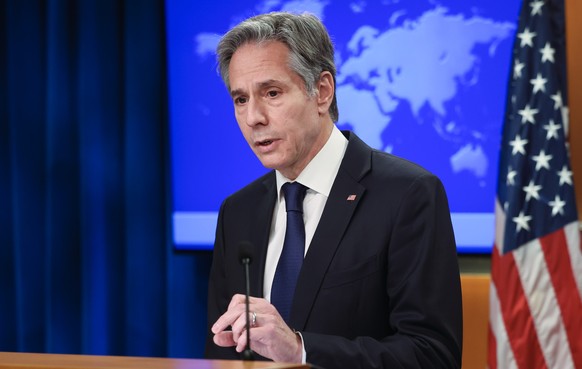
(224, 339)
(236, 307)
(222, 323)
(227, 319)
(237, 300)
(241, 343)
(240, 331)
(239, 328)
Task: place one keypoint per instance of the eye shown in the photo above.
(273, 93)
(240, 100)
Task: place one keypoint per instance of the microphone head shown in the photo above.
(245, 252)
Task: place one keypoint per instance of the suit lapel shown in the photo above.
(344, 197)
(260, 233)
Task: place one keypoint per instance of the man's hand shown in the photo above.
(270, 336)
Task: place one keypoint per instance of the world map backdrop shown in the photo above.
(423, 80)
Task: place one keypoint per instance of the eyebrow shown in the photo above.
(260, 85)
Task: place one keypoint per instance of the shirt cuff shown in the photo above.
(303, 352)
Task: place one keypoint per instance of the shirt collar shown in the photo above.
(321, 171)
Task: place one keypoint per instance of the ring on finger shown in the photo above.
(253, 319)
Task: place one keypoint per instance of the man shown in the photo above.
(379, 283)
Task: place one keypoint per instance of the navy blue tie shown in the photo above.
(293, 250)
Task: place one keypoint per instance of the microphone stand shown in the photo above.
(247, 353)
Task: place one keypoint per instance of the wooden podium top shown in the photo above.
(14, 360)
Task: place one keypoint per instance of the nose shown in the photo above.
(256, 113)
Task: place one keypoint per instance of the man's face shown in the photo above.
(280, 122)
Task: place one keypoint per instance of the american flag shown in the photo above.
(535, 318)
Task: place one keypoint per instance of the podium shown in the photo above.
(13, 360)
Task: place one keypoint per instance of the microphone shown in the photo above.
(245, 259)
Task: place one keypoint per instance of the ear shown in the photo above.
(325, 91)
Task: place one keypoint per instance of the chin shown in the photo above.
(266, 160)
(269, 165)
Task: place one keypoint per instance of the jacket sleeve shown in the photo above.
(218, 297)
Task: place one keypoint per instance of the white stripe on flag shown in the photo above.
(543, 305)
(505, 358)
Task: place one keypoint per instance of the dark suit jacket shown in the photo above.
(379, 286)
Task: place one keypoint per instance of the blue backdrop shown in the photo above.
(86, 264)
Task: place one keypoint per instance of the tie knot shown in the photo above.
(294, 194)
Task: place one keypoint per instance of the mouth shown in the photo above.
(266, 146)
(264, 142)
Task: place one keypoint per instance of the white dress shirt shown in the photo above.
(318, 176)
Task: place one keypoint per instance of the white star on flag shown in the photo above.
(527, 114)
(532, 190)
(517, 68)
(518, 145)
(526, 37)
(565, 176)
(557, 205)
(536, 7)
(511, 177)
(542, 160)
(557, 100)
(522, 221)
(552, 130)
(547, 53)
(539, 83)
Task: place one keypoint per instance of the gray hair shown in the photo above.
(310, 47)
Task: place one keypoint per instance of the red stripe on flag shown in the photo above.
(515, 311)
(559, 264)
(492, 350)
